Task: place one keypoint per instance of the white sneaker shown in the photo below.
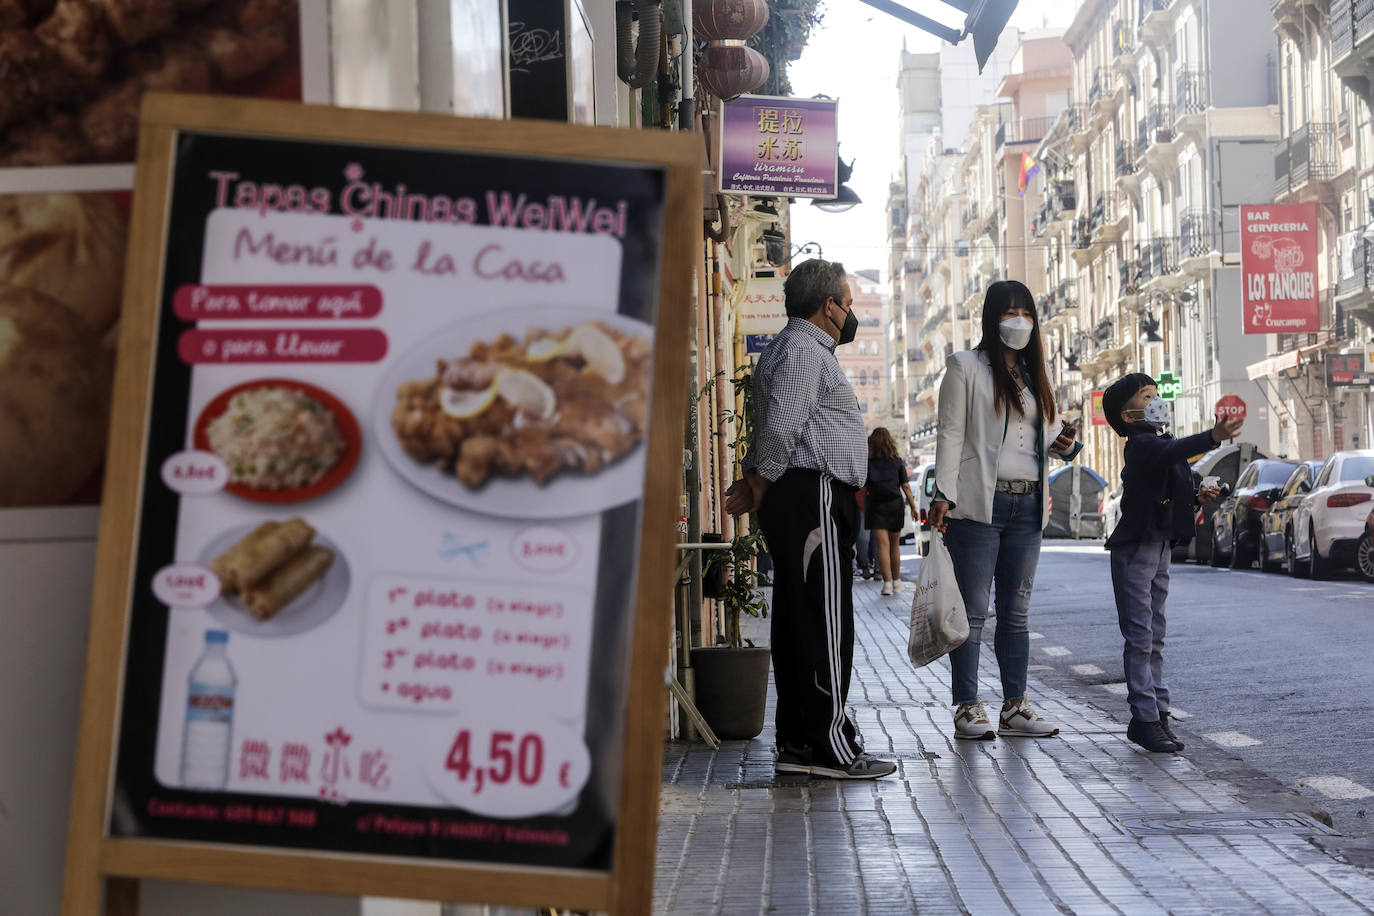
(896, 586)
(887, 588)
(971, 722)
(1022, 720)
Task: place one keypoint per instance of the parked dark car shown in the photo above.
(1364, 550)
(1236, 524)
(1225, 462)
(1276, 525)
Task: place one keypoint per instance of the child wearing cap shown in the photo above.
(1157, 504)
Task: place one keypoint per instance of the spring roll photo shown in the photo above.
(226, 565)
(279, 589)
(263, 556)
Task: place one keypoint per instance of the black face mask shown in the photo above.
(848, 329)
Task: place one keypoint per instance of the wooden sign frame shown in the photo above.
(103, 871)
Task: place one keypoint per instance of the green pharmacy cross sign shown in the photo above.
(1169, 385)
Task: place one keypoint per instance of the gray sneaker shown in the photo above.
(864, 766)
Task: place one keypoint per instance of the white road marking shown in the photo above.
(1056, 651)
(1230, 739)
(1336, 787)
(1117, 688)
(1178, 713)
(1037, 636)
(1087, 669)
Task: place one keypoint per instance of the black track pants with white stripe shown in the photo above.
(810, 521)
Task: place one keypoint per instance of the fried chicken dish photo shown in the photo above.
(568, 401)
(72, 72)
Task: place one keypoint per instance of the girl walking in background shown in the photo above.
(883, 509)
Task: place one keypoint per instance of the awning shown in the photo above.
(1275, 365)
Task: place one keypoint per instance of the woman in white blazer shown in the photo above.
(996, 430)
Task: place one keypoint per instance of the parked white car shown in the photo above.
(922, 482)
(1329, 521)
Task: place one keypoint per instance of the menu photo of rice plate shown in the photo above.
(381, 600)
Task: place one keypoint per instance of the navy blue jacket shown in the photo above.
(1157, 488)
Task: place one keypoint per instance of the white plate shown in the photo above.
(566, 495)
(308, 610)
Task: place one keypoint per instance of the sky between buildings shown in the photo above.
(853, 57)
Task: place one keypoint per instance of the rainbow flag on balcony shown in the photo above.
(1029, 168)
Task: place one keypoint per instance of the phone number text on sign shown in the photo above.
(439, 645)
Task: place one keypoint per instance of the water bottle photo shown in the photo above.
(207, 739)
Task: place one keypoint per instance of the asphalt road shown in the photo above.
(1275, 674)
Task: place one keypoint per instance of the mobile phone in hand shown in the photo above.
(1070, 429)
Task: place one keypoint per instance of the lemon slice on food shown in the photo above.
(600, 352)
(464, 404)
(546, 348)
(526, 392)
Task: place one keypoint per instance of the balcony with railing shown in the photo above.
(914, 310)
(1123, 39)
(1101, 92)
(1125, 159)
(1043, 219)
(1132, 276)
(971, 217)
(1190, 93)
(1024, 130)
(1158, 258)
(1080, 235)
(1307, 155)
(1195, 235)
(1352, 41)
(1152, 6)
(1064, 196)
(1354, 292)
(1154, 19)
(1080, 119)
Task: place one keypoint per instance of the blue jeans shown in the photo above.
(865, 553)
(1006, 552)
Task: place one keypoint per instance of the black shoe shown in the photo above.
(1164, 724)
(1151, 736)
(793, 760)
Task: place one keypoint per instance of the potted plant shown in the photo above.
(732, 676)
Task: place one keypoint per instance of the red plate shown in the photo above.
(343, 420)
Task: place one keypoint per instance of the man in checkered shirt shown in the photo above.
(808, 458)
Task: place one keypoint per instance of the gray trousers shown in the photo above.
(1140, 578)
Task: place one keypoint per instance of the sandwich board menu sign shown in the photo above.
(395, 394)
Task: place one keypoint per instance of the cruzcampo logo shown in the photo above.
(1168, 385)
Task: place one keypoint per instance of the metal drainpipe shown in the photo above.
(687, 115)
(724, 397)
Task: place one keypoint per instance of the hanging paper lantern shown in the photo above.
(728, 68)
(723, 20)
(731, 70)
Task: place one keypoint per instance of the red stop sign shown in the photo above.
(1230, 406)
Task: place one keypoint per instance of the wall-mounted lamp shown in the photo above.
(1149, 328)
(845, 199)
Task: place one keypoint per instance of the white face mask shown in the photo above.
(1016, 332)
(1158, 413)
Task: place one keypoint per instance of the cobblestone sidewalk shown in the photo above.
(1083, 823)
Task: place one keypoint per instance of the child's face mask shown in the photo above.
(1158, 413)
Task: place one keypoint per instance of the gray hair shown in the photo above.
(812, 282)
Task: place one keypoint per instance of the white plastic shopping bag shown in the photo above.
(938, 622)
